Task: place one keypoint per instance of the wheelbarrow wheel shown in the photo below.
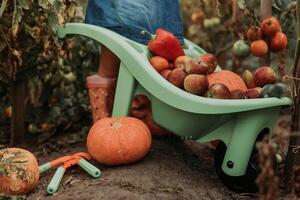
(240, 184)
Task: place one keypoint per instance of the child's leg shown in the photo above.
(102, 85)
(109, 64)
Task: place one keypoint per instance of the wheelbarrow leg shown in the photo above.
(248, 126)
(235, 158)
(124, 93)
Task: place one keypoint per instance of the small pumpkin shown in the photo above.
(231, 80)
(19, 171)
(116, 141)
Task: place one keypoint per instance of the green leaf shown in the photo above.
(3, 6)
(24, 4)
(17, 18)
(3, 171)
(3, 45)
(242, 4)
(44, 4)
(251, 4)
(58, 5)
(53, 22)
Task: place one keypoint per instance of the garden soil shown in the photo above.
(173, 169)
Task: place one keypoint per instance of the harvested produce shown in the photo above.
(278, 42)
(277, 90)
(267, 90)
(116, 141)
(159, 63)
(285, 91)
(270, 26)
(165, 73)
(166, 45)
(197, 66)
(230, 79)
(249, 79)
(219, 91)
(254, 33)
(253, 93)
(264, 75)
(241, 49)
(237, 94)
(176, 77)
(19, 171)
(210, 60)
(197, 75)
(181, 62)
(196, 84)
(259, 48)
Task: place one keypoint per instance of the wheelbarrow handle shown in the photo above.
(45, 167)
(89, 168)
(55, 181)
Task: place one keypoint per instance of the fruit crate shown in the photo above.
(238, 124)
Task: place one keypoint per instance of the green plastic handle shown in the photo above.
(89, 168)
(45, 167)
(55, 181)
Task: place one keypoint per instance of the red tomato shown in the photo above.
(259, 48)
(270, 26)
(254, 33)
(278, 42)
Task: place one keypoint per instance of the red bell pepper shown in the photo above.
(166, 45)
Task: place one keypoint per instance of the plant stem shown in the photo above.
(293, 159)
(18, 112)
(265, 11)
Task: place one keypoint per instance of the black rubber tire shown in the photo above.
(239, 184)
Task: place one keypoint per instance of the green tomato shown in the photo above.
(241, 49)
(280, 90)
(267, 91)
(277, 91)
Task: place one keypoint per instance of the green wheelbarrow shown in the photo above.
(238, 124)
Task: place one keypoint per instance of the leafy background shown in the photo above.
(56, 70)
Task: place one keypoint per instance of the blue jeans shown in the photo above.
(130, 17)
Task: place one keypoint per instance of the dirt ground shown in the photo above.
(174, 169)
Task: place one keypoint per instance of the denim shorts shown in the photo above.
(130, 17)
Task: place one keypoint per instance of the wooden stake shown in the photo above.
(18, 112)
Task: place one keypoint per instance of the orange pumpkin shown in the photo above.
(228, 78)
(19, 173)
(115, 141)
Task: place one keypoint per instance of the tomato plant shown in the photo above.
(278, 42)
(259, 48)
